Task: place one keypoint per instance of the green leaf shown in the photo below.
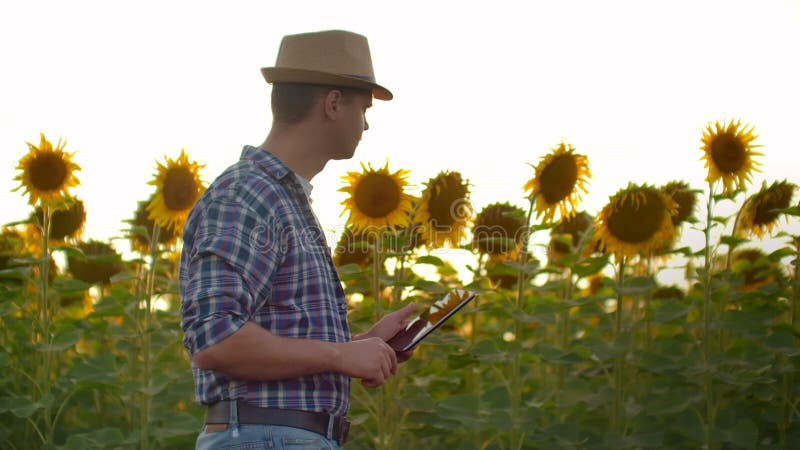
(791, 211)
(21, 222)
(4, 359)
(636, 286)
(430, 259)
(62, 341)
(783, 341)
(103, 438)
(71, 252)
(590, 266)
(456, 362)
(176, 423)
(122, 276)
(781, 253)
(732, 241)
(555, 355)
(744, 434)
(529, 268)
(23, 407)
(430, 287)
(70, 285)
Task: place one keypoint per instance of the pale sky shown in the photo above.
(480, 87)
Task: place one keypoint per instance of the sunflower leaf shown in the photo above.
(71, 252)
(30, 220)
(683, 251)
(781, 253)
(791, 211)
(721, 219)
(429, 286)
(430, 259)
(122, 276)
(590, 266)
(530, 268)
(732, 241)
(70, 285)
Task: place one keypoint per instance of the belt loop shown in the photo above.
(331, 421)
(233, 417)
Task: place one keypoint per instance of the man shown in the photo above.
(263, 310)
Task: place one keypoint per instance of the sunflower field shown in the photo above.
(571, 344)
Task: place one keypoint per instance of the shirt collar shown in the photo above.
(305, 184)
(266, 161)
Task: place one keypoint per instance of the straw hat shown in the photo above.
(335, 58)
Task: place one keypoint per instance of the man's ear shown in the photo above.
(332, 103)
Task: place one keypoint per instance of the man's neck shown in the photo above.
(298, 149)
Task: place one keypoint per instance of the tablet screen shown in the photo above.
(435, 315)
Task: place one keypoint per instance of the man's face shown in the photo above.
(353, 122)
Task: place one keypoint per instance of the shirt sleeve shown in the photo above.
(227, 272)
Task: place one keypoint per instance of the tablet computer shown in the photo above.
(431, 319)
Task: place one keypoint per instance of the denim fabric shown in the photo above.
(264, 437)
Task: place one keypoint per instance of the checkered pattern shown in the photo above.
(253, 251)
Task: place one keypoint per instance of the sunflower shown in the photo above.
(637, 219)
(501, 275)
(759, 213)
(66, 222)
(559, 182)
(178, 187)
(101, 263)
(140, 239)
(574, 227)
(684, 197)
(755, 268)
(47, 173)
(377, 199)
(729, 153)
(499, 230)
(445, 205)
(11, 246)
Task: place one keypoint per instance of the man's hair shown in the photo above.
(292, 102)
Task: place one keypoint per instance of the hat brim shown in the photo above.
(287, 75)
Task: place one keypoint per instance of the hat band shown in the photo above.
(362, 77)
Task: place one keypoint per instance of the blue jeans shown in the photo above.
(236, 436)
(264, 436)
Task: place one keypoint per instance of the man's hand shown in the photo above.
(370, 359)
(389, 325)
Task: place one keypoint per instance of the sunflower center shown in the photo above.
(728, 152)
(179, 189)
(635, 222)
(48, 171)
(377, 195)
(447, 203)
(685, 200)
(558, 179)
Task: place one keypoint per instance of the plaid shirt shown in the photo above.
(253, 250)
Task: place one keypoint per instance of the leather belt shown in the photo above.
(330, 426)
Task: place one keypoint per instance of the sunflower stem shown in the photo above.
(517, 436)
(564, 336)
(376, 275)
(616, 417)
(788, 378)
(144, 435)
(44, 312)
(708, 379)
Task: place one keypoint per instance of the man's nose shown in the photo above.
(366, 124)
